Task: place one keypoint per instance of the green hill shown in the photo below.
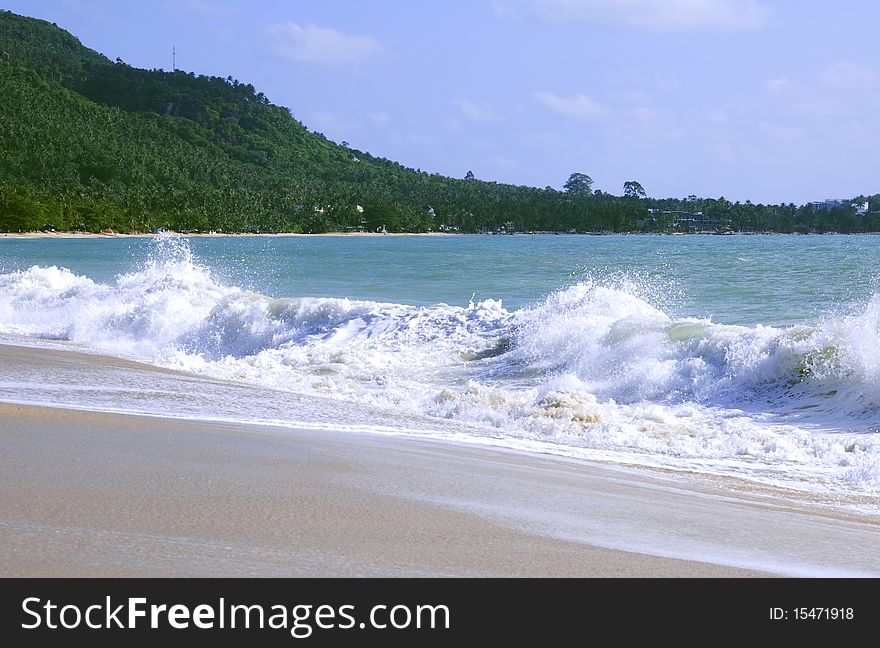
(90, 144)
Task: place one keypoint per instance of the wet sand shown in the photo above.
(97, 494)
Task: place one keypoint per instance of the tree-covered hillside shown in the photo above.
(91, 144)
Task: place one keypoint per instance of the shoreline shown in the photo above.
(91, 235)
(98, 493)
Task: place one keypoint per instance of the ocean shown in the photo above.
(754, 357)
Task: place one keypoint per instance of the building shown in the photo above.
(828, 204)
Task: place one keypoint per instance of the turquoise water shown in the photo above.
(748, 280)
(755, 356)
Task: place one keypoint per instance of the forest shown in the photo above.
(89, 144)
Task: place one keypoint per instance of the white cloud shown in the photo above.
(657, 14)
(313, 44)
(776, 85)
(848, 76)
(580, 106)
(476, 112)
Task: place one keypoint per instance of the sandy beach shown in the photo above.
(96, 494)
(102, 494)
(104, 235)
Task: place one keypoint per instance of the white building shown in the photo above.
(828, 204)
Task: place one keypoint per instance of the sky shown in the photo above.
(762, 100)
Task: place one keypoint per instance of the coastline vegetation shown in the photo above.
(89, 144)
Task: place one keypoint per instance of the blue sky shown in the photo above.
(767, 100)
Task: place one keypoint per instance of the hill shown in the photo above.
(90, 144)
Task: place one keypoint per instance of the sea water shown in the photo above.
(751, 356)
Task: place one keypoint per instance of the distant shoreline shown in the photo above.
(85, 235)
(91, 235)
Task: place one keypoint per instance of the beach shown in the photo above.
(242, 406)
(105, 235)
(105, 494)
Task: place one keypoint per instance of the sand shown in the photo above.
(98, 494)
(101, 235)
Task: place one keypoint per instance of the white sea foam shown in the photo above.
(594, 366)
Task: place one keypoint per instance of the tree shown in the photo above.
(469, 175)
(578, 184)
(633, 189)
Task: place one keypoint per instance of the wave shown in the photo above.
(592, 365)
(617, 346)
